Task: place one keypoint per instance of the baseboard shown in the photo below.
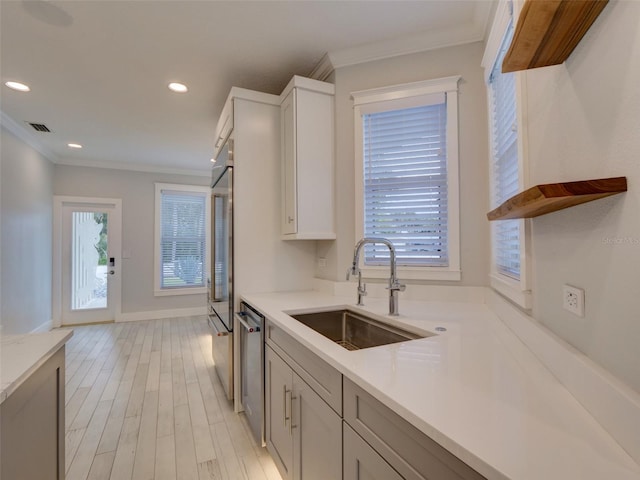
(612, 403)
(160, 314)
(44, 328)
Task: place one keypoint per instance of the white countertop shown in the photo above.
(21, 355)
(475, 389)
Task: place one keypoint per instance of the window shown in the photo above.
(407, 178)
(182, 237)
(508, 237)
(505, 174)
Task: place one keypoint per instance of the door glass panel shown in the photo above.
(88, 260)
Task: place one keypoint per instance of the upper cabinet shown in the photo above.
(225, 125)
(548, 31)
(307, 129)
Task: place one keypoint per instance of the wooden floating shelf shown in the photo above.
(551, 197)
(548, 30)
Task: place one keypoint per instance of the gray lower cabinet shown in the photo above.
(304, 434)
(361, 462)
(306, 401)
(408, 451)
(32, 425)
(279, 430)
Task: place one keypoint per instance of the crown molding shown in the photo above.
(27, 137)
(133, 167)
(323, 69)
(474, 31)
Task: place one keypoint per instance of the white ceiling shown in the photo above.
(99, 69)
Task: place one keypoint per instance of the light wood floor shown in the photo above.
(143, 402)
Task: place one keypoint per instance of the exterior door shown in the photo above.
(89, 253)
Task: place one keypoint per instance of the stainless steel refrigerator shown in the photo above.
(221, 298)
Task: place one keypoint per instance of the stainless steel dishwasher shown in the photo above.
(252, 368)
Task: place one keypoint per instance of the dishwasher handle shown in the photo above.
(250, 329)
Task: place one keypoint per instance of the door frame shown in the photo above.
(59, 201)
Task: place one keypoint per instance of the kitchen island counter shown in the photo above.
(21, 355)
(474, 388)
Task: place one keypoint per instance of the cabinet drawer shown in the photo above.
(361, 462)
(409, 451)
(322, 377)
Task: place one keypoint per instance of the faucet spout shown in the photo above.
(394, 285)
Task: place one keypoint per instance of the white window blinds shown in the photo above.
(182, 239)
(405, 183)
(504, 162)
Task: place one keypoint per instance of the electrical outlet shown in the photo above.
(573, 300)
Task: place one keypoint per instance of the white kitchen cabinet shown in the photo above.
(304, 434)
(224, 127)
(307, 131)
(262, 261)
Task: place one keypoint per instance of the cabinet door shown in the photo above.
(361, 462)
(317, 436)
(289, 171)
(278, 393)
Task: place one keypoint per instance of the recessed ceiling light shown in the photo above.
(178, 87)
(74, 145)
(213, 160)
(21, 87)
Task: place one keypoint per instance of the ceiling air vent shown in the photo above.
(40, 127)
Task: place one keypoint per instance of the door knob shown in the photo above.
(112, 272)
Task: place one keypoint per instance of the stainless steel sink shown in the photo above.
(354, 331)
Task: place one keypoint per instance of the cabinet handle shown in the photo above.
(284, 405)
(290, 219)
(291, 425)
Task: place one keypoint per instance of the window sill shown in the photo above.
(416, 273)
(179, 291)
(511, 290)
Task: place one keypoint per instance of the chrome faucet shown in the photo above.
(394, 285)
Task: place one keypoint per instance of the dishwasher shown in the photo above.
(252, 368)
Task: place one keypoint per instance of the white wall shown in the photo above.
(137, 191)
(584, 122)
(474, 235)
(25, 247)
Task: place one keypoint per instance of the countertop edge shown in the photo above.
(13, 385)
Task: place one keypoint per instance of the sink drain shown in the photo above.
(348, 345)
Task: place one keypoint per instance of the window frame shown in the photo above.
(518, 291)
(158, 290)
(405, 96)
